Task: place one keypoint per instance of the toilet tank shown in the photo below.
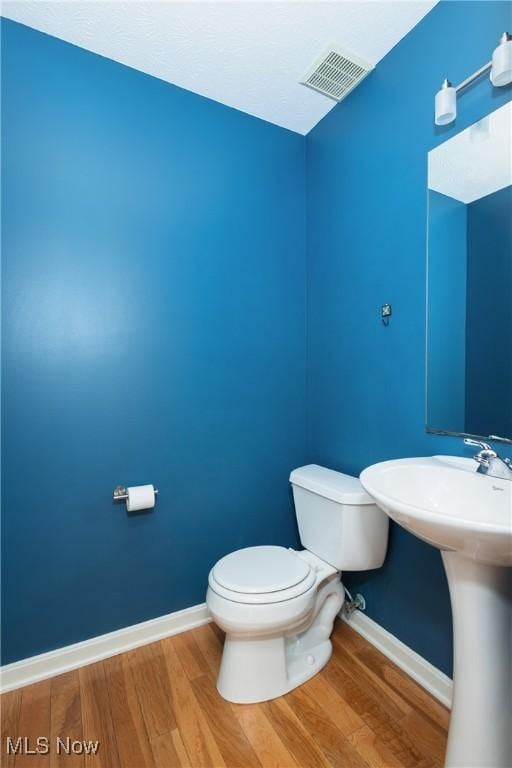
(337, 519)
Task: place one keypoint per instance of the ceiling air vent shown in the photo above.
(336, 73)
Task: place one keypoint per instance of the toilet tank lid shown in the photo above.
(336, 486)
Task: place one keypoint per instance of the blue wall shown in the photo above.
(489, 320)
(366, 232)
(153, 290)
(446, 339)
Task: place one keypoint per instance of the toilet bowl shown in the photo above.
(277, 606)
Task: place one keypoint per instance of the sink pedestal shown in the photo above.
(445, 501)
(481, 721)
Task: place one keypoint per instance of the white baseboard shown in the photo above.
(70, 657)
(421, 670)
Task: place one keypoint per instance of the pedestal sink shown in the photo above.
(468, 516)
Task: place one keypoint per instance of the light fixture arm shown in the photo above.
(471, 79)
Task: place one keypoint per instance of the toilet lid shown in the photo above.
(260, 570)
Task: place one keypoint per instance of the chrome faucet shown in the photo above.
(490, 463)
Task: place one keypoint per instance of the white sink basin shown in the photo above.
(468, 516)
(446, 503)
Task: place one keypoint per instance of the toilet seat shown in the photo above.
(262, 575)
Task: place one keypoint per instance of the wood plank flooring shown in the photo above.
(158, 707)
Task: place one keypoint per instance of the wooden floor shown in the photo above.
(157, 707)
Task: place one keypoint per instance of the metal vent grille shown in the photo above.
(336, 73)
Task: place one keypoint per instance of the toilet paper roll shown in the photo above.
(140, 497)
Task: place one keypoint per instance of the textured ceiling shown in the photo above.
(248, 54)
(476, 162)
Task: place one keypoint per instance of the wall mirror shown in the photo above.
(469, 281)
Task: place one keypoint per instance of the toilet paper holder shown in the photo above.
(121, 494)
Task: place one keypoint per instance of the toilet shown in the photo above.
(277, 606)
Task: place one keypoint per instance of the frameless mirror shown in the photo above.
(469, 281)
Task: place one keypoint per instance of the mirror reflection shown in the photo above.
(469, 303)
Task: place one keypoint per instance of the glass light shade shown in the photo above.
(446, 105)
(501, 72)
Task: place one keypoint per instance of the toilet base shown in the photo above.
(263, 668)
(259, 670)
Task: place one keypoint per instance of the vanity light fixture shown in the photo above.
(446, 104)
(500, 68)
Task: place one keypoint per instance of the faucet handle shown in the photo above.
(478, 444)
(485, 454)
